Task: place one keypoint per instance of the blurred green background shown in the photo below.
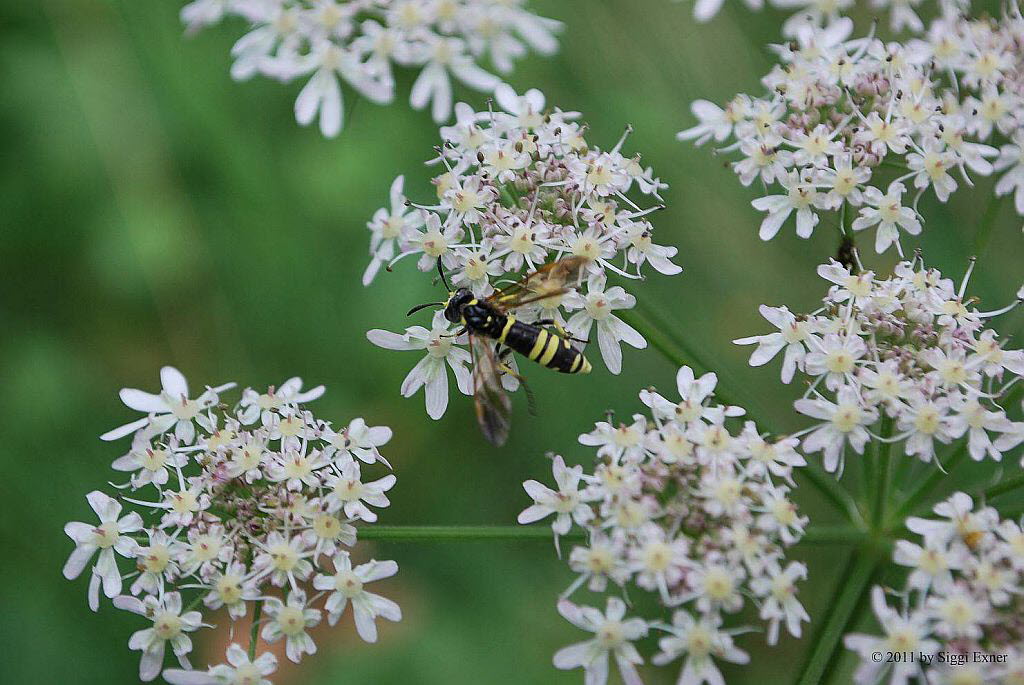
(154, 212)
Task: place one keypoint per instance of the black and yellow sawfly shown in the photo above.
(488, 321)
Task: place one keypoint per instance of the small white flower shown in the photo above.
(700, 642)
(933, 564)
(430, 372)
(844, 421)
(433, 85)
(290, 620)
(283, 559)
(794, 336)
(613, 637)
(263, 405)
(835, 359)
(801, 197)
(926, 421)
(1011, 161)
(238, 670)
(172, 407)
(596, 307)
(107, 538)
(346, 585)
(597, 563)
(889, 214)
(388, 227)
(903, 633)
(567, 503)
(351, 495)
(170, 625)
(780, 603)
(359, 441)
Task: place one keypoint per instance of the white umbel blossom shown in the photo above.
(910, 350)
(518, 189)
(964, 596)
(247, 498)
(337, 45)
(680, 506)
(851, 131)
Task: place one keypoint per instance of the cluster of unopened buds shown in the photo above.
(862, 128)
(682, 508)
(520, 187)
(360, 42)
(247, 511)
(905, 359)
(958, 619)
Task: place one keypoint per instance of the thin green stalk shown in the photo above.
(853, 585)
(988, 221)
(833, 535)
(883, 470)
(928, 485)
(254, 632)
(658, 339)
(195, 601)
(1008, 485)
(462, 533)
(828, 486)
(815, 535)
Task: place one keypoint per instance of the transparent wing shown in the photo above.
(551, 280)
(493, 405)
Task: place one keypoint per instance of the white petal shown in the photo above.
(140, 400)
(174, 384)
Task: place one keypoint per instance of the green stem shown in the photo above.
(1008, 485)
(853, 587)
(988, 221)
(660, 340)
(928, 485)
(828, 486)
(883, 466)
(833, 535)
(462, 533)
(254, 632)
(815, 535)
(195, 601)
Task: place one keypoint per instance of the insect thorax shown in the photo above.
(483, 318)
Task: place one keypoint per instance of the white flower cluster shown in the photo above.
(863, 128)
(963, 602)
(903, 14)
(359, 42)
(909, 351)
(252, 505)
(521, 188)
(694, 514)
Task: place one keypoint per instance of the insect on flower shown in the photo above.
(489, 319)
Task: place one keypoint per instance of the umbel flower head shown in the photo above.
(905, 359)
(239, 509)
(337, 44)
(861, 128)
(964, 597)
(689, 505)
(818, 13)
(518, 188)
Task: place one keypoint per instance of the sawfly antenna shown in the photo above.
(444, 278)
(423, 306)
